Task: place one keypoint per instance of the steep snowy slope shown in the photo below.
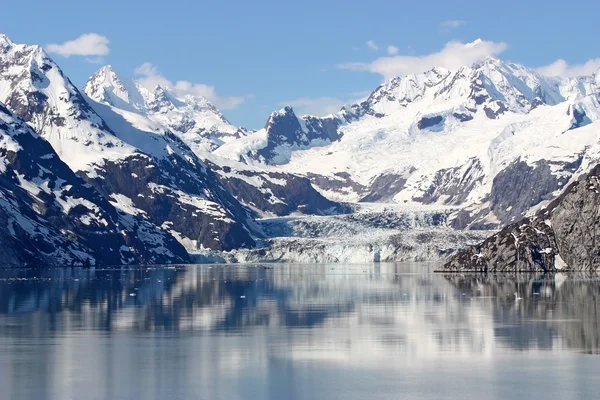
(443, 138)
(144, 171)
(194, 119)
(51, 217)
(204, 129)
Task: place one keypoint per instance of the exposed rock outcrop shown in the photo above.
(563, 237)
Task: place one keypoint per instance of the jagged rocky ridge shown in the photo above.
(565, 236)
(194, 119)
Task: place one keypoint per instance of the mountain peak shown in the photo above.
(284, 114)
(5, 41)
(284, 111)
(105, 74)
(489, 61)
(107, 86)
(106, 70)
(474, 43)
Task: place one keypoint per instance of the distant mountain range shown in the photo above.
(120, 173)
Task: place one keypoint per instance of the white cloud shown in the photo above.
(94, 60)
(372, 45)
(451, 24)
(454, 55)
(562, 68)
(392, 50)
(88, 44)
(315, 105)
(150, 77)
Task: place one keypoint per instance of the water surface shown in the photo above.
(378, 331)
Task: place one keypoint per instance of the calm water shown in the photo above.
(297, 332)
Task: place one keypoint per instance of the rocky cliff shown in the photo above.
(565, 236)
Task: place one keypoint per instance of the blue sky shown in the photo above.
(251, 57)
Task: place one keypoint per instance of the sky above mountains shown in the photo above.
(251, 58)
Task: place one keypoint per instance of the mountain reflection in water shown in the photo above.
(217, 321)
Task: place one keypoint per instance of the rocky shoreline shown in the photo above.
(565, 236)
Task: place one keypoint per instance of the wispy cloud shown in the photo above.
(450, 24)
(562, 68)
(88, 44)
(94, 60)
(315, 105)
(150, 77)
(372, 45)
(392, 50)
(454, 55)
(324, 105)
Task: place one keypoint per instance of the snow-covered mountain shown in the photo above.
(50, 216)
(193, 118)
(478, 147)
(203, 128)
(135, 163)
(494, 138)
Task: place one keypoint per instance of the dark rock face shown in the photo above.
(278, 193)
(580, 118)
(322, 128)
(473, 219)
(537, 102)
(576, 223)
(284, 129)
(357, 111)
(520, 186)
(493, 114)
(462, 117)
(385, 187)
(178, 198)
(454, 183)
(428, 122)
(563, 237)
(526, 246)
(340, 182)
(52, 217)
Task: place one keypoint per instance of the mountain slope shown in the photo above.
(51, 217)
(142, 169)
(194, 119)
(563, 237)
